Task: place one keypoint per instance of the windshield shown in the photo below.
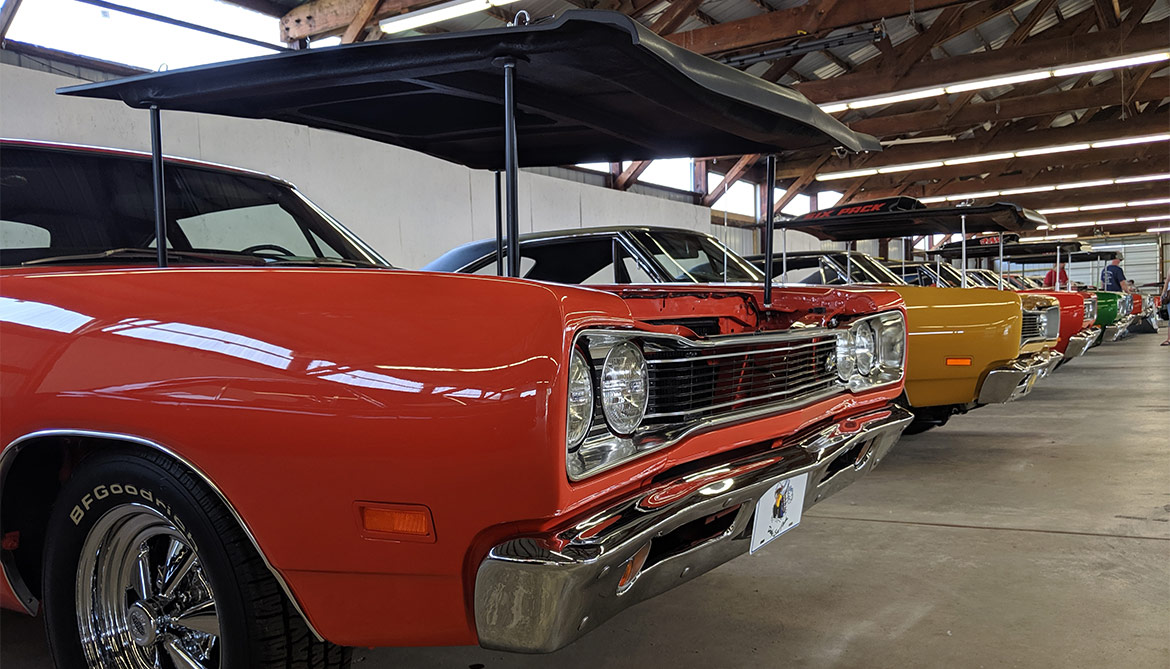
(866, 269)
(697, 258)
(77, 206)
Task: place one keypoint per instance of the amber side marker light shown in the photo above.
(958, 362)
(403, 522)
(633, 568)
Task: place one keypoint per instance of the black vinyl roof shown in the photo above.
(907, 217)
(1018, 252)
(591, 86)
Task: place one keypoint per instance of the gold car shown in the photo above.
(966, 346)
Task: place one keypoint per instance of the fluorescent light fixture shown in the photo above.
(1056, 210)
(973, 196)
(1144, 139)
(1163, 217)
(1095, 207)
(1147, 203)
(1051, 149)
(1027, 189)
(1157, 229)
(1115, 221)
(979, 159)
(1085, 184)
(437, 13)
(1112, 64)
(910, 166)
(1070, 236)
(999, 81)
(1082, 224)
(901, 97)
(932, 200)
(1148, 177)
(829, 176)
(834, 107)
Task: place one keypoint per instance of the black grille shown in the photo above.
(686, 385)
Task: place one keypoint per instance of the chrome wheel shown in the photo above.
(143, 600)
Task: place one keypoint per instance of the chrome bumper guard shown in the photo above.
(538, 594)
(1079, 343)
(1014, 380)
(1118, 330)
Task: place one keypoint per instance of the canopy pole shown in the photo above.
(1058, 267)
(160, 203)
(999, 268)
(769, 232)
(499, 230)
(963, 223)
(511, 174)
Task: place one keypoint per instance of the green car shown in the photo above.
(1114, 314)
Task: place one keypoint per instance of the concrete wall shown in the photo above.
(409, 206)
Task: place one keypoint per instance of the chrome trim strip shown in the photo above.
(7, 457)
(714, 356)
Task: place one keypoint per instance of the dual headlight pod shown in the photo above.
(872, 351)
(624, 394)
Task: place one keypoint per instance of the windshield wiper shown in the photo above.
(147, 254)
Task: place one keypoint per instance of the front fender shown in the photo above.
(977, 329)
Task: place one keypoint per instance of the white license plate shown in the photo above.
(778, 510)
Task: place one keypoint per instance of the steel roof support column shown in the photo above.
(511, 170)
(1057, 282)
(499, 230)
(999, 267)
(769, 232)
(160, 201)
(963, 224)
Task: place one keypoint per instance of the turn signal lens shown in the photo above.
(633, 568)
(406, 521)
(958, 362)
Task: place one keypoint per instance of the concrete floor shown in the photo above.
(1033, 534)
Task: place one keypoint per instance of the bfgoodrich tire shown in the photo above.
(145, 567)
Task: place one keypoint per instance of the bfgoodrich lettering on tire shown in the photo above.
(145, 568)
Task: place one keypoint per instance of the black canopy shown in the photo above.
(907, 217)
(1016, 252)
(591, 86)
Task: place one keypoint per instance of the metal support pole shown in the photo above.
(1057, 267)
(769, 232)
(499, 230)
(963, 223)
(999, 268)
(511, 171)
(160, 200)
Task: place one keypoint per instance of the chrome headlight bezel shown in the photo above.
(887, 353)
(579, 404)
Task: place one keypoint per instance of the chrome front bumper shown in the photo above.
(1118, 330)
(538, 594)
(1014, 380)
(1079, 343)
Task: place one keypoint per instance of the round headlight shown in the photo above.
(845, 360)
(864, 346)
(580, 415)
(1042, 322)
(624, 391)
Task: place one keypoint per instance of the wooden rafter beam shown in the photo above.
(674, 16)
(797, 187)
(1084, 197)
(361, 19)
(733, 175)
(807, 18)
(629, 176)
(7, 13)
(321, 18)
(1034, 55)
(1108, 13)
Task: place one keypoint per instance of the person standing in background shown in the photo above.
(1112, 277)
(1056, 277)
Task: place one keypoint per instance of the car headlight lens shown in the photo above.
(624, 388)
(864, 346)
(846, 361)
(1042, 321)
(872, 351)
(580, 412)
